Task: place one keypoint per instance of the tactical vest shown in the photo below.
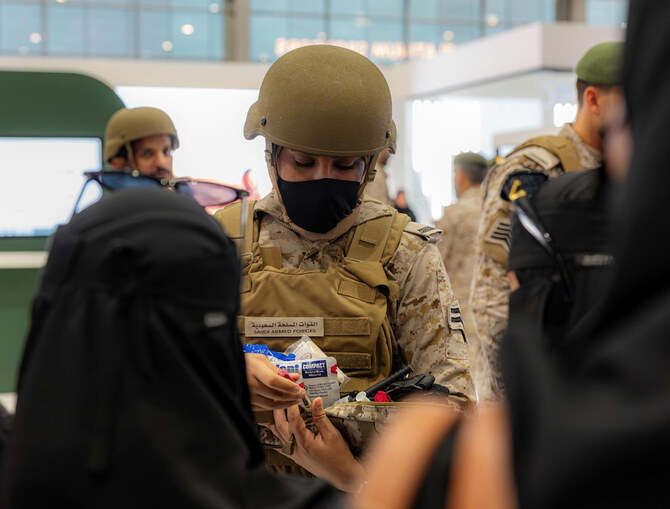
(559, 146)
(342, 309)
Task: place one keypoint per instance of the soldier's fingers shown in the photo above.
(262, 403)
(266, 392)
(320, 418)
(274, 430)
(297, 426)
(278, 386)
(281, 425)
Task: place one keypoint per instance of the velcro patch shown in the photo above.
(455, 318)
(541, 156)
(428, 233)
(496, 240)
(594, 260)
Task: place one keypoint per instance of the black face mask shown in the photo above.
(318, 205)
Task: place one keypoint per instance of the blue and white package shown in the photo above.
(264, 350)
(317, 376)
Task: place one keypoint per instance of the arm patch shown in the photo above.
(496, 240)
(428, 233)
(539, 155)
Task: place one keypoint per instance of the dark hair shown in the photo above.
(475, 173)
(583, 85)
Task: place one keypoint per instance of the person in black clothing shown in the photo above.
(132, 390)
(587, 421)
(400, 204)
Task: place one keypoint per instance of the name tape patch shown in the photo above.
(257, 327)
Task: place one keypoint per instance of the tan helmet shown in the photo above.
(128, 125)
(324, 100)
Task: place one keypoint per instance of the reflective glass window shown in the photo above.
(154, 33)
(21, 29)
(196, 35)
(606, 12)
(377, 8)
(271, 36)
(65, 30)
(111, 32)
(302, 6)
(444, 9)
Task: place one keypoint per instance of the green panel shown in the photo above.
(22, 244)
(51, 104)
(17, 290)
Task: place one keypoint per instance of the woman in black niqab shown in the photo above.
(596, 432)
(132, 390)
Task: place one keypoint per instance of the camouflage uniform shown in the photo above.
(420, 318)
(459, 239)
(489, 295)
(378, 189)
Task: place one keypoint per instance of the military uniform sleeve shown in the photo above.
(427, 323)
(489, 292)
(445, 244)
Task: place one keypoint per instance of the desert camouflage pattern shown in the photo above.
(378, 189)
(359, 421)
(489, 295)
(425, 319)
(457, 247)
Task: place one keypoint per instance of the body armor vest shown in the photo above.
(345, 305)
(559, 146)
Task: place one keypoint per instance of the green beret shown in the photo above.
(470, 158)
(602, 64)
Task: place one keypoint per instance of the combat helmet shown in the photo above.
(325, 100)
(128, 125)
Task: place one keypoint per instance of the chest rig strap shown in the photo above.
(237, 220)
(377, 239)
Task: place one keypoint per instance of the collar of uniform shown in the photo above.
(595, 156)
(365, 211)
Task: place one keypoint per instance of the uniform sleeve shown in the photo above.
(425, 309)
(445, 244)
(489, 292)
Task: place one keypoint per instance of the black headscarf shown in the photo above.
(574, 210)
(597, 433)
(132, 390)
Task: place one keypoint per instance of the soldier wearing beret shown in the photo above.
(459, 236)
(577, 146)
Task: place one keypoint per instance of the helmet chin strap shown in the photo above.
(131, 157)
(369, 173)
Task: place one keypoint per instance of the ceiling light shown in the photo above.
(448, 35)
(214, 8)
(187, 29)
(167, 46)
(492, 20)
(35, 38)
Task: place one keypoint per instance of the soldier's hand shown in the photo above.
(268, 390)
(326, 454)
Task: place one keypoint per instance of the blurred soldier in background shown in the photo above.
(577, 146)
(142, 140)
(457, 246)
